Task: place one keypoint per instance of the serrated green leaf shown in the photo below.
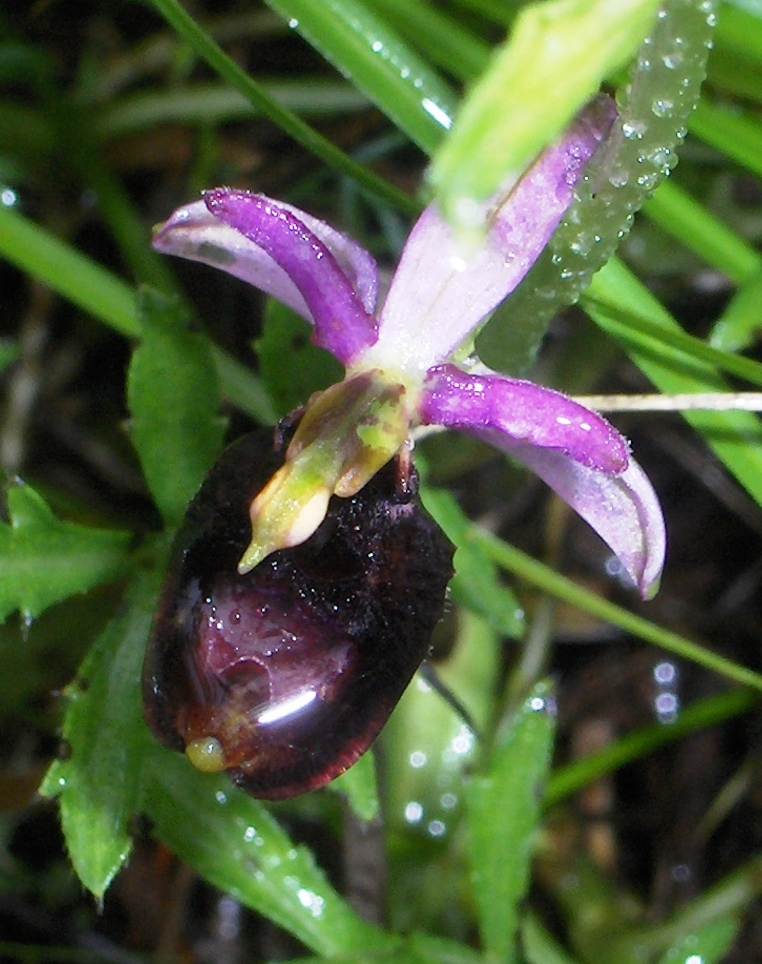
(173, 396)
(99, 784)
(236, 844)
(503, 813)
(291, 367)
(476, 584)
(555, 59)
(44, 560)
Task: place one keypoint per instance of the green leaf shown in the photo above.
(100, 781)
(693, 717)
(358, 784)
(173, 396)
(702, 232)
(237, 845)
(736, 135)
(555, 59)
(539, 946)
(427, 745)
(44, 560)
(444, 41)
(503, 811)
(109, 299)
(203, 44)
(291, 367)
(476, 584)
(69, 272)
(739, 326)
(378, 62)
(735, 437)
(708, 944)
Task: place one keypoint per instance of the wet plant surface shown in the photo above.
(639, 775)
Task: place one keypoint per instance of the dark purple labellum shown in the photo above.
(286, 675)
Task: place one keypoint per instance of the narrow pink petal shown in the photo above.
(194, 232)
(441, 292)
(522, 412)
(342, 325)
(623, 509)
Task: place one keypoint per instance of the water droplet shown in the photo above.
(437, 828)
(249, 834)
(220, 797)
(666, 706)
(633, 130)
(377, 46)
(8, 197)
(673, 60)
(26, 624)
(648, 181)
(619, 178)
(413, 811)
(663, 107)
(418, 759)
(293, 23)
(311, 901)
(660, 157)
(448, 801)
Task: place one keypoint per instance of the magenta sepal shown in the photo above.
(523, 412)
(441, 290)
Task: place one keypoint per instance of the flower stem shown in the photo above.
(522, 565)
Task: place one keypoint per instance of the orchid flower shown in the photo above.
(400, 372)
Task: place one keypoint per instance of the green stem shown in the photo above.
(108, 298)
(293, 125)
(699, 715)
(529, 569)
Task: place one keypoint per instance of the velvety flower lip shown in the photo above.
(439, 295)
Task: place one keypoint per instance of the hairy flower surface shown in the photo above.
(398, 359)
(308, 578)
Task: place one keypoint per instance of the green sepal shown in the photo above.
(554, 61)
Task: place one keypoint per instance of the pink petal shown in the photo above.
(623, 509)
(575, 451)
(194, 232)
(442, 291)
(522, 412)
